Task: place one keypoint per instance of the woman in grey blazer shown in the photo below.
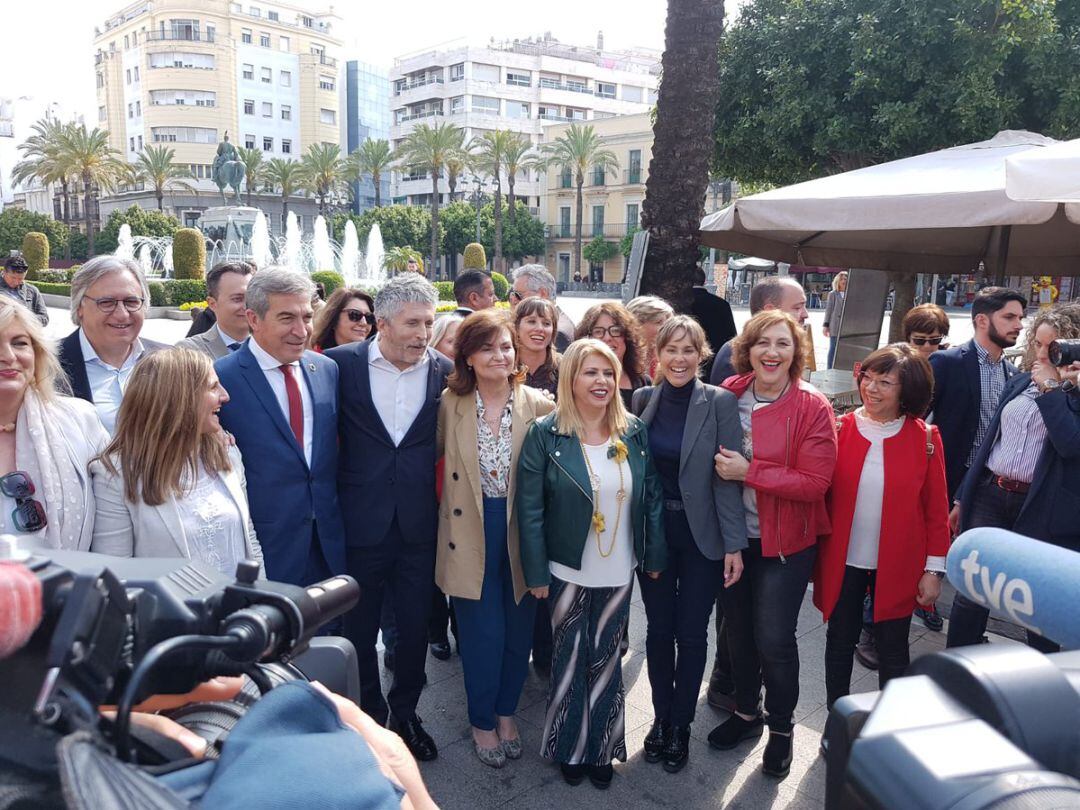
(168, 485)
(704, 524)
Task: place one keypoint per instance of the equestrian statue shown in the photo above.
(228, 170)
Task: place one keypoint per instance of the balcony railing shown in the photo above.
(422, 114)
(599, 177)
(404, 88)
(562, 230)
(633, 176)
(180, 36)
(547, 84)
(549, 117)
(329, 61)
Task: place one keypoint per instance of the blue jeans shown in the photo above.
(761, 611)
(833, 339)
(494, 632)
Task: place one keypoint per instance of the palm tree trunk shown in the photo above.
(580, 213)
(498, 265)
(376, 179)
(510, 201)
(284, 210)
(87, 201)
(160, 196)
(249, 193)
(434, 222)
(683, 143)
(66, 193)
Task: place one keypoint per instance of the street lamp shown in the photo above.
(477, 199)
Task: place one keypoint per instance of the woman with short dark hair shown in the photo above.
(926, 327)
(888, 506)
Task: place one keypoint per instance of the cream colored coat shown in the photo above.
(459, 564)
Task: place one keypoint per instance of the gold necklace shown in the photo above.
(598, 522)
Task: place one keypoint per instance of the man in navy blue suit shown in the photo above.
(968, 383)
(390, 386)
(283, 412)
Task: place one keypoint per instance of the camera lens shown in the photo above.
(1064, 352)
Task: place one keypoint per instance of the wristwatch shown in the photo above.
(1049, 385)
(938, 574)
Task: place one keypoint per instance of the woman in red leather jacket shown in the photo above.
(785, 465)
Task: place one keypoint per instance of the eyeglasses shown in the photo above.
(108, 305)
(356, 316)
(933, 341)
(880, 384)
(598, 332)
(28, 515)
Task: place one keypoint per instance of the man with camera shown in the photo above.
(1025, 475)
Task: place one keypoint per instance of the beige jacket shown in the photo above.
(459, 564)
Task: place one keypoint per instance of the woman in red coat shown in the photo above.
(889, 512)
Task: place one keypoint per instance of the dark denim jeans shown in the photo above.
(761, 611)
(845, 624)
(678, 605)
(990, 506)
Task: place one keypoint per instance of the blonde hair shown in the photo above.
(158, 444)
(650, 309)
(836, 280)
(567, 416)
(48, 374)
(681, 326)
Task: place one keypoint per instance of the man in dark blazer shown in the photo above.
(390, 387)
(714, 315)
(283, 412)
(109, 300)
(473, 290)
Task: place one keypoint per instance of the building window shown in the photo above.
(598, 220)
(245, 36)
(267, 75)
(457, 105)
(286, 146)
(273, 16)
(519, 78)
(184, 134)
(633, 172)
(100, 80)
(139, 141)
(283, 44)
(605, 90)
(631, 93)
(267, 109)
(135, 74)
(577, 85)
(131, 144)
(254, 11)
(574, 114)
(138, 109)
(564, 222)
(633, 216)
(268, 144)
(457, 72)
(249, 141)
(517, 109)
(126, 42)
(327, 116)
(547, 112)
(264, 39)
(249, 106)
(286, 112)
(486, 73)
(127, 76)
(285, 78)
(485, 104)
(179, 59)
(131, 110)
(102, 114)
(249, 72)
(211, 33)
(307, 22)
(327, 83)
(550, 82)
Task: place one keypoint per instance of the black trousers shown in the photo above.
(995, 507)
(761, 612)
(845, 624)
(405, 572)
(678, 605)
(442, 616)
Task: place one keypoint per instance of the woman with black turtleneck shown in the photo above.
(705, 528)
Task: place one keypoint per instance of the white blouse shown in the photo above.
(866, 523)
(212, 523)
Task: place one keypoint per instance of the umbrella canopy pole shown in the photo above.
(997, 256)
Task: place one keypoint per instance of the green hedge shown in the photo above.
(329, 279)
(158, 296)
(35, 249)
(501, 285)
(52, 288)
(189, 255)
(446, 290)
(171, 292)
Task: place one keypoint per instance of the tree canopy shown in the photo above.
(143, 222)
(812, 88)
(401, 225)
(15, 223)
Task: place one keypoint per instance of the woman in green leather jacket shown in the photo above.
(589, 511)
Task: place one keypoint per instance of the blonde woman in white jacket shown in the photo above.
(168, 485)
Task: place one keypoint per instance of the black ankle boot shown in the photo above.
(776, 761)
(601, 776)
(656, 740)
(677, 750)
(734, 730)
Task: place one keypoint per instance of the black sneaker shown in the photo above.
(601, 776)
(931, 618)
(677, 750)
(734, 730)
(776, 761)
(656, 740)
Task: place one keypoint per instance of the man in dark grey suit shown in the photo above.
(226, 294)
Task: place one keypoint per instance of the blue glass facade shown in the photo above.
(367, 100)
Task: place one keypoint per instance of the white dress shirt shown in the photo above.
(398, 395)
(271, 367)
(226, 339)
(107, 383)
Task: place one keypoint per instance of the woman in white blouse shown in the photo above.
(168, 484)
(889, 512)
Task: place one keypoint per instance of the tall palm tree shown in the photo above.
(576, 151)
(431, 147)
(88, 155)
(516, 158)
(253, 164)
(322, 171)
(43, 160)
(373, 158)
(455, 167)
(489, 152)
(155, 166)
(284, 176)
(684, 141)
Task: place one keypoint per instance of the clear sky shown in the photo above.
(47, 44)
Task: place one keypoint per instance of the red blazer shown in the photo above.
(794, 456)
(914, 517)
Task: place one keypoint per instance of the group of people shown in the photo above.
(530, 475)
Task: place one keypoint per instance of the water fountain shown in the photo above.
(146, 261)
(125, 246)
(260, 241)
(350, 255)
(292, 243)
(322, 253)
(375, 274)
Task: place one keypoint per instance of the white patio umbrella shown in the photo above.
(1047, 174)
(941, 212)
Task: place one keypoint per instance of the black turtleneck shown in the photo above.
(665, 435)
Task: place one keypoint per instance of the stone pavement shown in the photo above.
(711, 779)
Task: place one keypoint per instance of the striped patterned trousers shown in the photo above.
(585, 713)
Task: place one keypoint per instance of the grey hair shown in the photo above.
(404, 288)
(442, 326)
(276, 280)
(95, 270)
(538, 278)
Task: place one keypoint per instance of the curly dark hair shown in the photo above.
(633, 358)
(322, 332)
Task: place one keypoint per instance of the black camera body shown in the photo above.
(992, 725)
(1064, 352)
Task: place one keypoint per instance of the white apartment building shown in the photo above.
(519, 85)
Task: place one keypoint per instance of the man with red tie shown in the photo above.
(283, 412)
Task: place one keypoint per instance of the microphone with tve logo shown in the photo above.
(1025, 581)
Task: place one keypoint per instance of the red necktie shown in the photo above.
(296, 405)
